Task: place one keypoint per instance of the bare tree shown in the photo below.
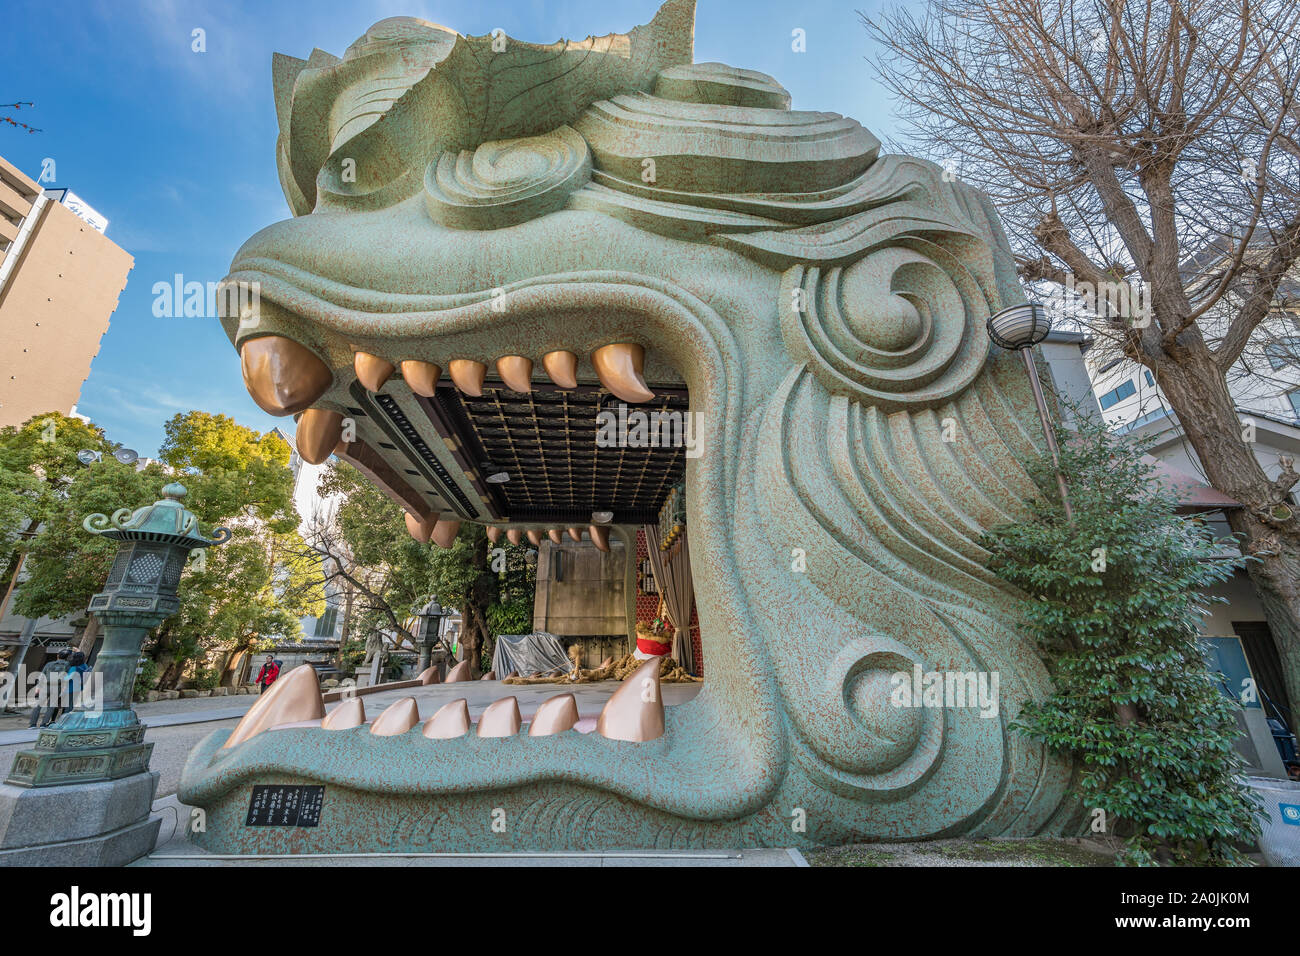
(368, 590)
(1128, 143)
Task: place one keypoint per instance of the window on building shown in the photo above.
(1283, 352)
(1117, 395)
(1295, 401)
(325, 623)
(1150, 381)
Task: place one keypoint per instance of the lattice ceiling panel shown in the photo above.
(546, 441)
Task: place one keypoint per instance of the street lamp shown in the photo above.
(105, 740)
(1019, 328)
(430, 625)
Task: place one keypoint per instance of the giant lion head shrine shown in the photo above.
(484, 226)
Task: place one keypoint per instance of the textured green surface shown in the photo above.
(825, 306)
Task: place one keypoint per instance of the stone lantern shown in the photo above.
(82, 795)
(430, 625)
(102, 739)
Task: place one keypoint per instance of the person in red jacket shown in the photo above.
(267, 675)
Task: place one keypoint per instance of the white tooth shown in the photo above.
(444, 532)
(294, 697)
(350, 713)
(636, 711)
(467, 375)
(619, 368)
(451, 720)
(517, 372)
(372, 371)
(500, 719)
(562, 368)
(421, 377)
(397, 718)
(555, 716)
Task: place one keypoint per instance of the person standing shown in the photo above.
(73, 677)
(52, 673)
(267, 675)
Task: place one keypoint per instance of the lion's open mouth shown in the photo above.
(591, 414)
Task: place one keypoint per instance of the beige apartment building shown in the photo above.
(60, 278)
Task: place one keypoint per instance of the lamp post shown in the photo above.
(1019, 328)
(102, 739)
(430, 616)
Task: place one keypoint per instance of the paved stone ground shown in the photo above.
(964, 853)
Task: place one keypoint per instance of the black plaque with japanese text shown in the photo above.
(277, 805)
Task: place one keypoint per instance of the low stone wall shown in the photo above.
(331, 696)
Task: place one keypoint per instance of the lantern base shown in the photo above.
(84, 747)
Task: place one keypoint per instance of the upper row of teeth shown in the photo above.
(619, 367)
(443, 531)
(634, 713)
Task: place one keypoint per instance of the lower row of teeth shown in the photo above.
(635, 712)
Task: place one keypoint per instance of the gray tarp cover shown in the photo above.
(528, 654)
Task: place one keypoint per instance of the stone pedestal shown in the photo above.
(84, 747)
(80, 824)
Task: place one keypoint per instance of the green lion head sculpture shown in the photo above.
(638, 223)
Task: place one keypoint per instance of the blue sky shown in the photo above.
(177, 148)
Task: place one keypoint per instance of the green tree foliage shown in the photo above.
(38, 461)
(1115, 599)
(254, 586)
(44, 487)
(367, 548)
(513, 618)
(259, 583)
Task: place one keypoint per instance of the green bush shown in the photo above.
(513, 618)
(146, 680)
(206, 678)
(1115, 600)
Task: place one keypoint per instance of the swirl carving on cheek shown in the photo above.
(896, 329)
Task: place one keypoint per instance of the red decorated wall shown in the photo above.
(647, 605)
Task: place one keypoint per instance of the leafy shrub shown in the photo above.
(1115, 600)
(146, 680)
(513, 618)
